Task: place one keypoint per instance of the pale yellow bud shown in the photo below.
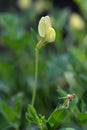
(24, 4)
(43, 26)
(76, 21)
(40, 5)
(50, 35)
(45, 30)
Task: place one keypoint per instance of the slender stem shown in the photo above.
(41, 43)
(36, 75)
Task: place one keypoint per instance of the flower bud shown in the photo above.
(76, 21)
(40, 5)
(46, 31)
(24, 4)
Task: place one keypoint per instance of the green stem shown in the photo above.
(36, 76)
(41, 43)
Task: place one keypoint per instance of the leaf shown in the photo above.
(7, 112)
(3, 87)
(32, 115)
(18, 104)
(34, 36)
(17, 43)
(82, 118)
(12, 24)
(56, 118)
(61, 91)
(79, 54)
(67, 129)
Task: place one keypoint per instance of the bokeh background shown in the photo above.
(62, 64)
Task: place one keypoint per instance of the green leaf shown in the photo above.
(34, 36)
(32, 115)
(17, 43)
(12, 24)
(34, 118)
(7, 112)
(67, 129)
(61, 92)
(18, 104)
(79, 54)
(56, 118)
(82, 118)
(3, 87)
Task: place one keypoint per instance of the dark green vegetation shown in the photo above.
(62, 70)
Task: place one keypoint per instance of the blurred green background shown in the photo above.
(62, 65)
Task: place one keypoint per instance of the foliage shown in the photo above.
(62, 70)
(55, 119)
